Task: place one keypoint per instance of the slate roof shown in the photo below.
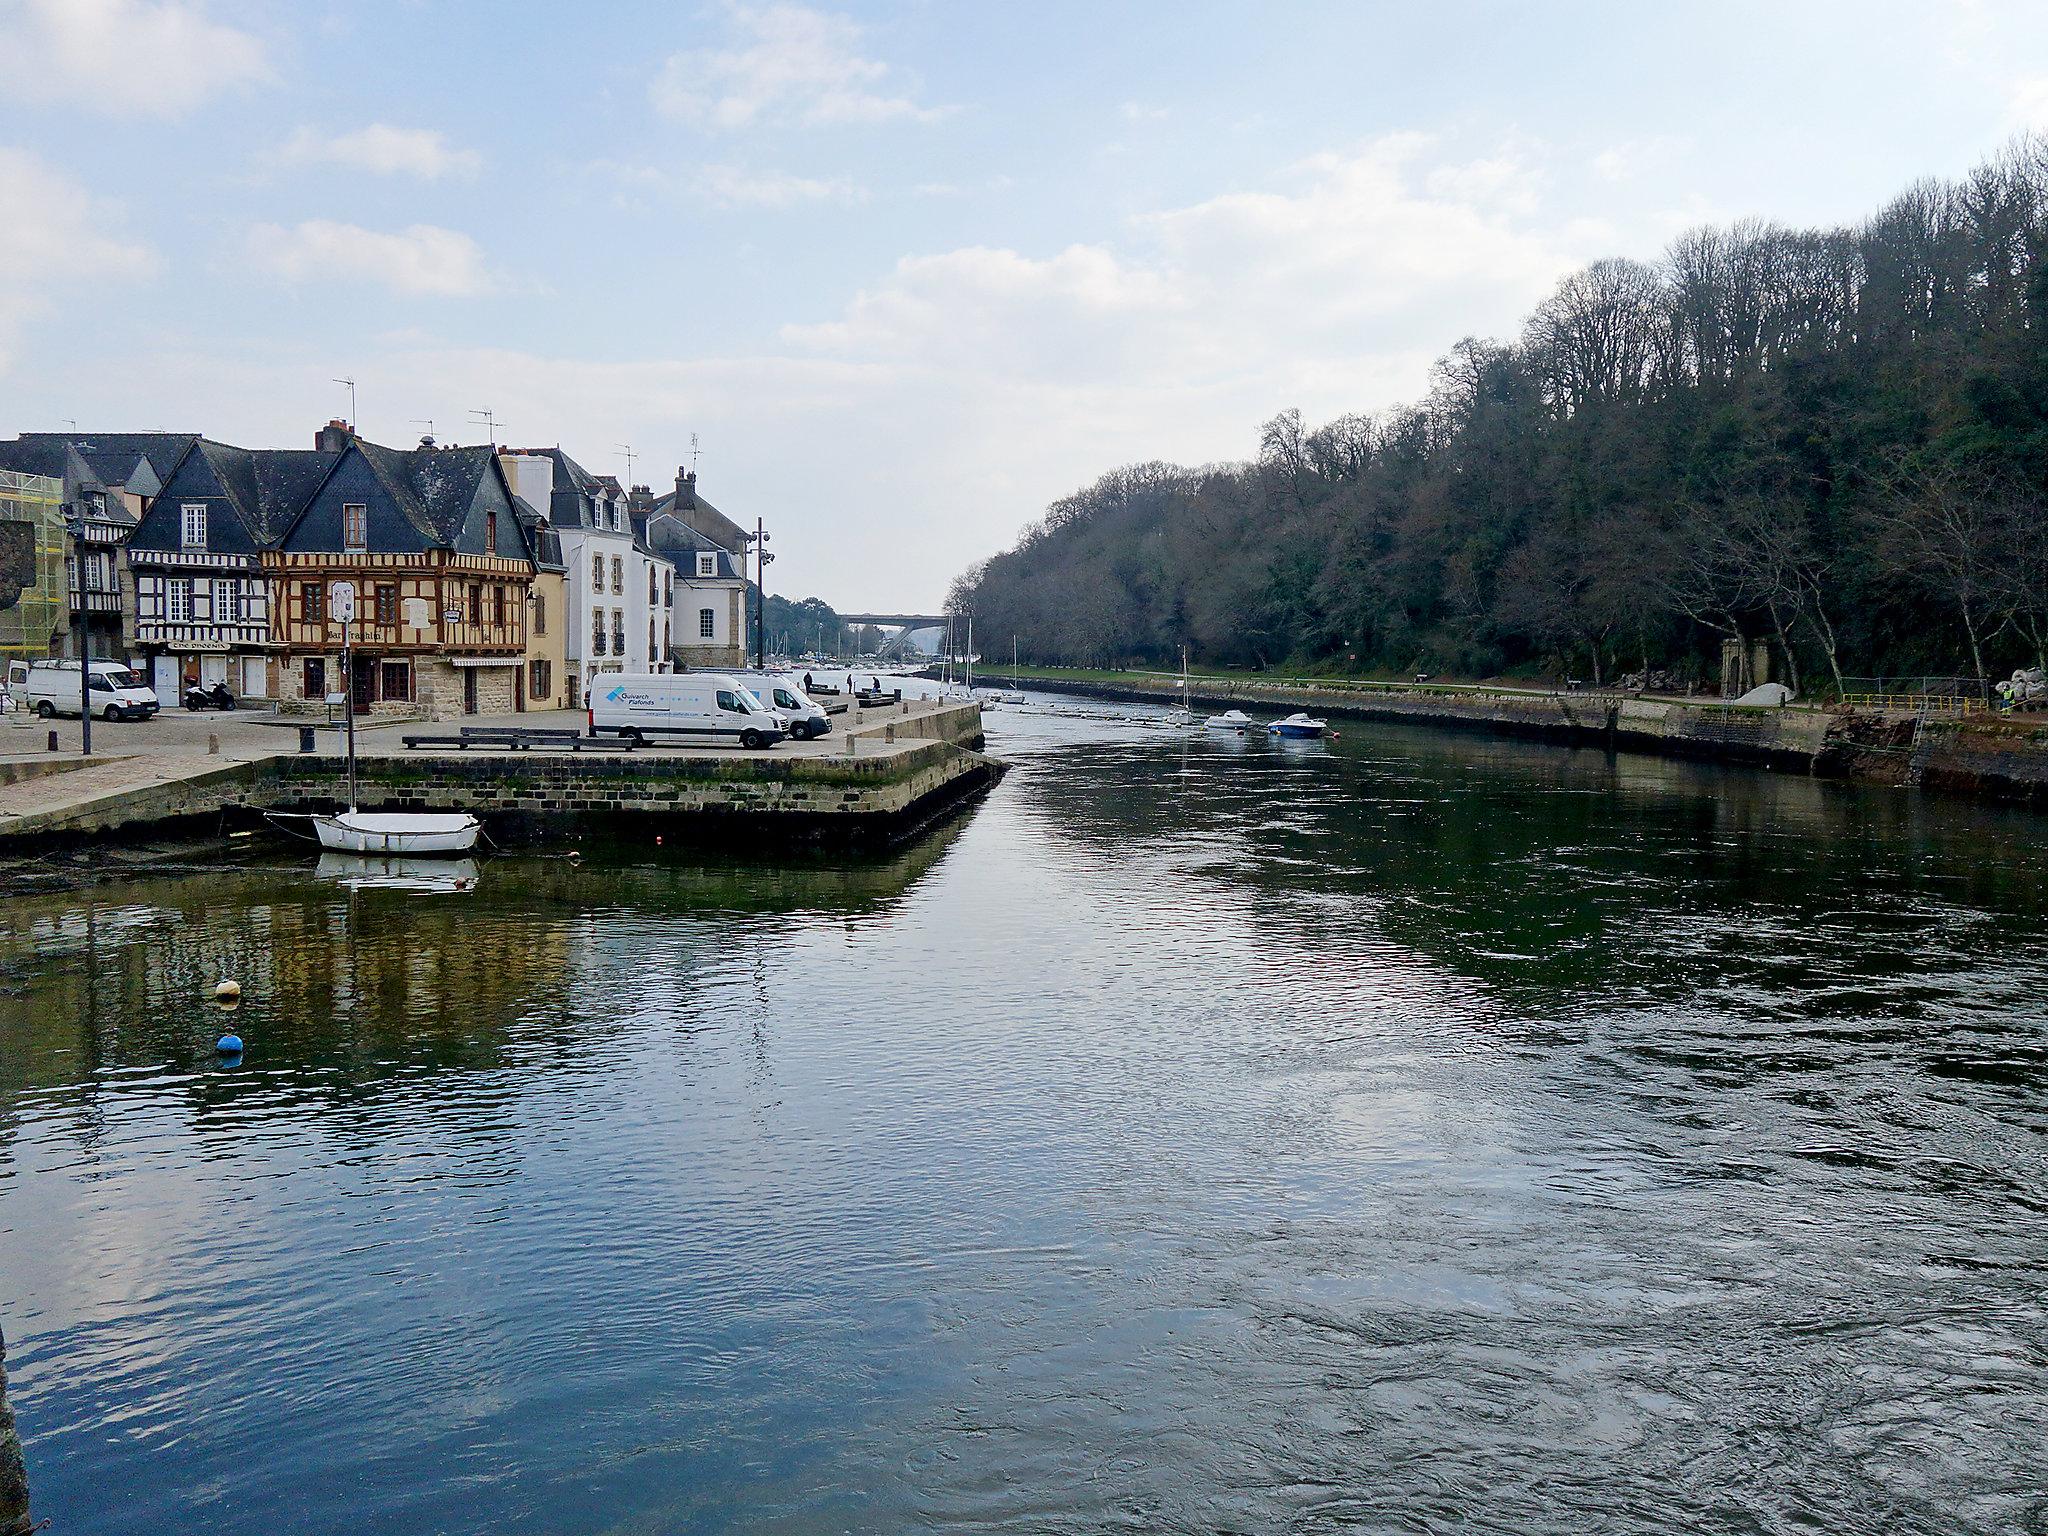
(433, 487)
(109, 452)
(541, 540)
(702, 505)
(673, 539)
(264, 488)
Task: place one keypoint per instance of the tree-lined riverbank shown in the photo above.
(1830, 443)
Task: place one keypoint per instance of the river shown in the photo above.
(1408, 1132)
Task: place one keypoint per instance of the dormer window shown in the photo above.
(355, 526)
(192, 525)
(707, 565)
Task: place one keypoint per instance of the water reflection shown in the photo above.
(1408, 1132)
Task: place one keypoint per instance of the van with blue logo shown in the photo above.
(682, 706)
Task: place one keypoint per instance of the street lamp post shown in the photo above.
(761, 559)
(75, 526)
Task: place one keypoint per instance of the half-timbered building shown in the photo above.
(200, 603)
(441, 568)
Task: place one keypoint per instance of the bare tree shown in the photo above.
(1946, 524)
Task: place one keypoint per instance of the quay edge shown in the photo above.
(896, 775)
(1981, 755)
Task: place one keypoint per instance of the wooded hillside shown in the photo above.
(1834, 441)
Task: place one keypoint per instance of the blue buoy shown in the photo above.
(229, 1045)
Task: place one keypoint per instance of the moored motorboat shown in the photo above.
(1298, 725)
(1231, 720)
(410, 833)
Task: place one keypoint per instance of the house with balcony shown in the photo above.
(620, 594)
(432, 543)
(199, 599)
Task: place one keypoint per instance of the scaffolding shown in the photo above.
(35, 594)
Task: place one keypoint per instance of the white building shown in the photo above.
(621, 594)
(710, 555)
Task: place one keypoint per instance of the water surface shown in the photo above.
(1406, 1133)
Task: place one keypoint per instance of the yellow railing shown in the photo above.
(1914, 703)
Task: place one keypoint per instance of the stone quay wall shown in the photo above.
(1991, 756)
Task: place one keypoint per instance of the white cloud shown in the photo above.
(2027, 103)
(382, 150)
(789, 64)
(422, 259)
(1357, 257)
(732, 185)
(52, 234)
(144, 58)
(729, 186)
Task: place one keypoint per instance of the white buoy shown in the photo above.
(227, 991)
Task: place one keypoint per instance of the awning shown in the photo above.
(484, 661)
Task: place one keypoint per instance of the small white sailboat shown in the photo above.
(404, 833)
(1180, 717)
(398, 833)
(1298, 725)
(1231, 720)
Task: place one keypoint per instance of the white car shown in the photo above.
(50, 688)
(695, 706)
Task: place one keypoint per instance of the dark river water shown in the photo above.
(1402, 1133)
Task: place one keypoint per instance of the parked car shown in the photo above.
(784, 697)
(696, 706)
(50, 688)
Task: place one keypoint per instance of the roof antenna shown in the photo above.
(428, 423)
(351, 383)
(627, 450)
(490, 423)
(693, 453)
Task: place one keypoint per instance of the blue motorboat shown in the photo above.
(1298, 725)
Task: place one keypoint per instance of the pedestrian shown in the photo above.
(809, 686)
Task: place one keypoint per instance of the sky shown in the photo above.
(903, 274)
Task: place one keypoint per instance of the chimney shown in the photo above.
(686, 489)
(334, 437)
(640, 500)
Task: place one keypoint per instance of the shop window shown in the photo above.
(395, 680)
(316, 677)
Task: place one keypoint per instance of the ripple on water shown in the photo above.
(1416, 1133)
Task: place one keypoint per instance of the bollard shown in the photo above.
(53, 741)
(212, 745)
(14, 1516)
(305, 738)
(888, 733)
(905, 706)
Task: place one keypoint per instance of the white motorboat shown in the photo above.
(1298, 725)
(1231, 720)
(405, 833)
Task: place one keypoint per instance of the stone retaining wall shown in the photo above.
(1976, 754)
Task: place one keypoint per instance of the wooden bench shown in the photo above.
(514, 739)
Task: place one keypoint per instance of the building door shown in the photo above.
(469, 690)
(163, 677)
(519, 688)
(363, 682)
(255, 677)
(212, 669)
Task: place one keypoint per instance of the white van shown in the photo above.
(806, 719)
(50, 688)
(698, 706)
